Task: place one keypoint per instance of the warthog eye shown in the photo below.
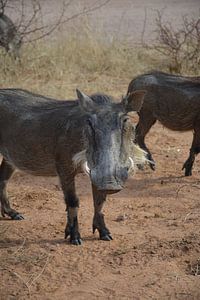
(125, 119)
(90, 125)
(90, 122)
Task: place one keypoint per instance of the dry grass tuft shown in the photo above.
(88, 61)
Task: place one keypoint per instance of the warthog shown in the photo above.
(175, 102)
(47, 137)
(10, 38)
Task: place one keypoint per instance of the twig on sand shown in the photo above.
(22, 245)
(40, 273)
(186, 185)
(190, 213)
(187, 216)
(177, 195)
(30, 282)
(197, 271)
(22, 280)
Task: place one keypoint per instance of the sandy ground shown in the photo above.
(154, 221)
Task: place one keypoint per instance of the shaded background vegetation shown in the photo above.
(87, 50)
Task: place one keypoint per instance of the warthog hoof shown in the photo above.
(104, 234)
(152, 165)
(13, 214)
(17, 216)
(106, 237)
(76, 242)
(74, 236)
(188, 173)
(188, 168)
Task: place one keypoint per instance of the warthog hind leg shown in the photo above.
(98, 220)
(6, 171)
(195, 149)
(189, 163)
(146, 121)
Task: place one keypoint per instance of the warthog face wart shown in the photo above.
(109, 154)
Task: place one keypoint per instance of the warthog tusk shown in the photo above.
(86, 168)
(132, 162)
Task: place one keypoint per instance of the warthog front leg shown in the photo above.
(6, 171)
(72, 205)
(72, 227)
(195, 149)
(146, 121)
(98, 220)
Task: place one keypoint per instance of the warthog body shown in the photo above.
(47, 137)
(175, 102)
(10, 38)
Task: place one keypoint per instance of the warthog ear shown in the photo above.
(134, 101)
(85, 102)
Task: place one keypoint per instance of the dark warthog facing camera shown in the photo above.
(47, 137)
(175, 102)
(10, 38)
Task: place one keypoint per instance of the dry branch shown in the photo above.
(186, 185)
(181, 46)
(39, 274)
(3, 4)
(32, 28)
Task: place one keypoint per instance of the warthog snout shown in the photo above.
(110, 187)
(112, 182)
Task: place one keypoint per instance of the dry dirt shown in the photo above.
(155, 253)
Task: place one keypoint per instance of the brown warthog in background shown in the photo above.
(175, 102)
